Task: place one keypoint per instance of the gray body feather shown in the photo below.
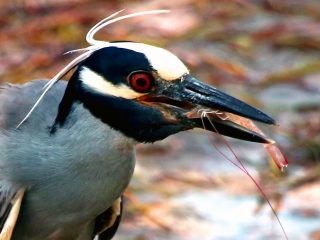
(71, 176)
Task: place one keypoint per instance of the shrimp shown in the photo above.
(272, 149)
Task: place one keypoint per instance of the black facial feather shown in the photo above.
(65, 106)
(115, 64)
(144, 124)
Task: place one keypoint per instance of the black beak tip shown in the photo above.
(234, 130)
(266, 119)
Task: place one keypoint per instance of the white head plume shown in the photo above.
(94, 46)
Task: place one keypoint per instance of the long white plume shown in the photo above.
(86, 52)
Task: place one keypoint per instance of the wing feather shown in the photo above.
(10, 212)
(16, 100)
(107, 223)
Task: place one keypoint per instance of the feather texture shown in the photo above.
(65, 187)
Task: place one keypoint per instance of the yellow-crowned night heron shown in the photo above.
(71, 160)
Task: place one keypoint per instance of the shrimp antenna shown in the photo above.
(86, 52)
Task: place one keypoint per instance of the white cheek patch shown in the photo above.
(94, 81)
(168, 66)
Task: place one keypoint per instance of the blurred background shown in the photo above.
(266, 52)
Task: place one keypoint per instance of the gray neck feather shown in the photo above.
(83, 148)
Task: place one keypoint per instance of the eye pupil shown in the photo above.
(141, 82)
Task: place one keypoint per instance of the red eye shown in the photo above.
(141, 81)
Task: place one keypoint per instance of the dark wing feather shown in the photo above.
(6, 196)
(107, 223)
(10, 214)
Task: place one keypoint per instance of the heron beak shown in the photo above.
(193, 98)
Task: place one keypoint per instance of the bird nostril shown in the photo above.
(195, 90)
